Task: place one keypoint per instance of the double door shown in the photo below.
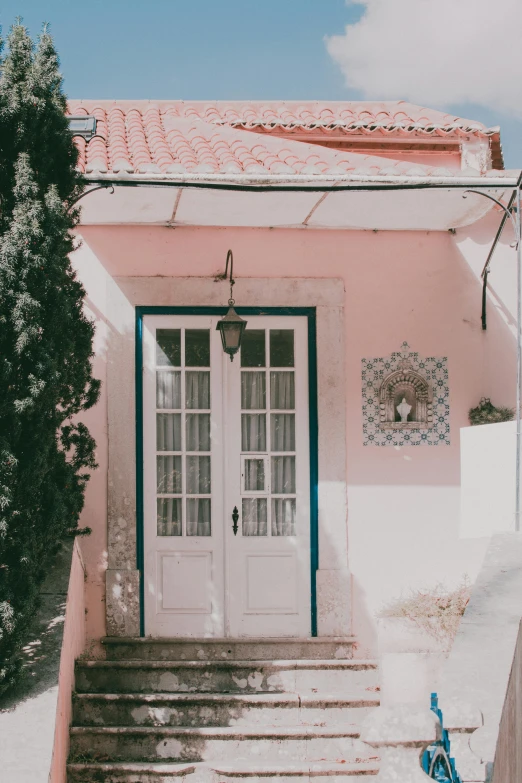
(226, 479)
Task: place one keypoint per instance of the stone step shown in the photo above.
(242, 709)
(296, 676)
(145, 649)
(242, 744)
(299, 772)
(197, 772)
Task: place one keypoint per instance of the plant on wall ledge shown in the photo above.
(487, 413)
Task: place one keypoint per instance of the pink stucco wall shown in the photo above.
(403, 503)
(73, 644)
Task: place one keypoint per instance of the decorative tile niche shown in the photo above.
(405, 400)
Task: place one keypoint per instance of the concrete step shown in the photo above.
(299, 772)
(334, 648)
(123, 772)
(294, 676)
(197, 772)
(266, 744)
(218, 709)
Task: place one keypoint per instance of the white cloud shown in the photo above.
(435, 52)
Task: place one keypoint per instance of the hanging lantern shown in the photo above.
(231, 326)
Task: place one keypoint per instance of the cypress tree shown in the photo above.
(46, 351)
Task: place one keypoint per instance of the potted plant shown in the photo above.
(487, 413)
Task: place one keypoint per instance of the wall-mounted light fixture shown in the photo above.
(231, 325)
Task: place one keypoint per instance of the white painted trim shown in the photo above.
(502, 180)
(248, 291)
(327, 295)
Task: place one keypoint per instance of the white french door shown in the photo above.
(226, 479)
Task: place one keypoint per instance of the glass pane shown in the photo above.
(253, 348)
(253, 432)
(281, 347)
(197, 390)
(168, 389)
(254, 475)
(169, 516)
(282, 432)
(198, 475)
(283, 516)
(197, 348)
(198, 432)
(168, 471)
(254, 517)
(168, 432)
(283, 475)
(253, 391)
(168, 347)
(198, 517)
(282, 390)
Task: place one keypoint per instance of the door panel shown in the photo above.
(179, 569)
(268, 561)
(183, 479)
(220, 435)
(279, 592)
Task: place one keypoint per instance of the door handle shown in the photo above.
(235, 518)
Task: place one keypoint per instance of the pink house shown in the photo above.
(290, 493)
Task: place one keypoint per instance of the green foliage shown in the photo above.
(487, 413)
(438, 611)
(45, 339)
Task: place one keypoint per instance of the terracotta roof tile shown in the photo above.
(172, 138)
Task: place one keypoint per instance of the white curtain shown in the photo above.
(168, 470)
(197, 432)
(168, 432)
(253, 391)
(169, 516)
(282, 432)
(197, 390)
(198, 475)
(198, 517)
(282, 391)
(168, 389)
(198, 509)
(254, 475)
(253, 432)
(254, 517)
(283, 475)
(283, 509)
(283, 516)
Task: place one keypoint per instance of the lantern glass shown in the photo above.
(231, 327)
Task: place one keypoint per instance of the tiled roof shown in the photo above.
(383, 117)
(172, 138)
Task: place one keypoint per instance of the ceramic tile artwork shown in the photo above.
(435, 370)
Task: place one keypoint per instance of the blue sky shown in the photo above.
(206, 49)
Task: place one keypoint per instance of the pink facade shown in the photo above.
(414, 285)
(73, 644)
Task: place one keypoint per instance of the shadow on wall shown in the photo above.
(36, 713)
(41, 652)
(474, 244)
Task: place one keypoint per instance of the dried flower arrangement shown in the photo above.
(438, 611)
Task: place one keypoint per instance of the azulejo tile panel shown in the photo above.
(435, 370)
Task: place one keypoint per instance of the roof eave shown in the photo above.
(311, 182)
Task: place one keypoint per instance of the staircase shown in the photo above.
(216, 710)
